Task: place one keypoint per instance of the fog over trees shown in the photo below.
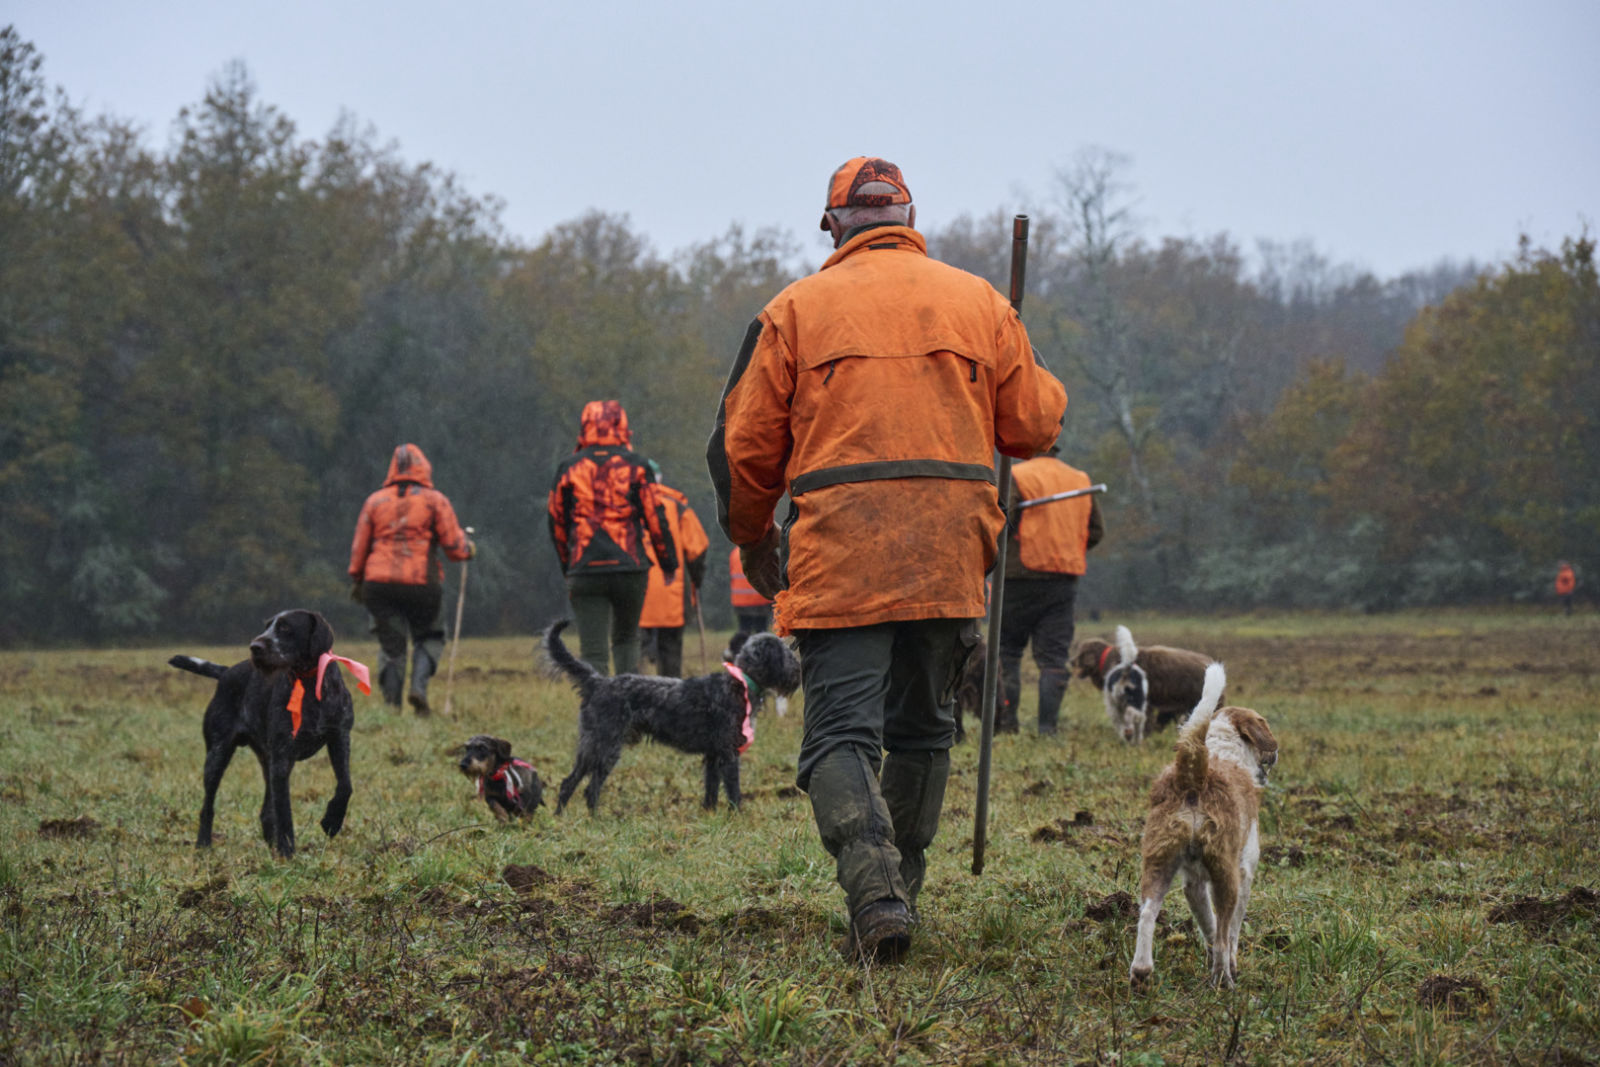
(209, 350)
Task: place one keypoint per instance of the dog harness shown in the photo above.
(297, 695)
(747, 728)
(503, 775)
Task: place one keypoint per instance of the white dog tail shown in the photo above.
(1127, 651)
(1191, 758)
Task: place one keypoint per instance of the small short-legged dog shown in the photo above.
(711, 716)
(1202, 825)
(285, 703)
(1172, 681)
(510, 787)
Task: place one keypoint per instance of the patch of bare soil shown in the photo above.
(1544, 913)
(1284, 856)
(1118, 905)
(1453, 996)
(660, 912)
(81, 827)
(1061, 829)
(196, 895)
(524, 877)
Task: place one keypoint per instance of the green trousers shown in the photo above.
(607, 607)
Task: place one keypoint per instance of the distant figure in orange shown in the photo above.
(1566, 582)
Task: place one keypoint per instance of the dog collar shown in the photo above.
(297, 695)
(747, 728)
(510, 779)
(1104, 655)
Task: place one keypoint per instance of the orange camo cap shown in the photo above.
(866, 181)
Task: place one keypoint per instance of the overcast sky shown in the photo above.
(1390, 134)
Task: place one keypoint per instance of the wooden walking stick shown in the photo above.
(997, 585)
(461, 604)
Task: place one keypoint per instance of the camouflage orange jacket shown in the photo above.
(401, 523)
(605, 502)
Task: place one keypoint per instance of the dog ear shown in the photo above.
(321, 639)
(1253, 728)
(502, 748)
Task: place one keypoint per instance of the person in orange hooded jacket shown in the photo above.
(395, 570)
(1045, 556)
(602, 507)
(669, 602)
(874, 394)
(1566, 584)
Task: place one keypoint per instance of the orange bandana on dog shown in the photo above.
(297, 695)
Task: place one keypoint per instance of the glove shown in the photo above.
(668, 574)
(472, 549)
(760, 562)
(356, 591)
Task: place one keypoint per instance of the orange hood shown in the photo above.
(604, 423)
(408, 464)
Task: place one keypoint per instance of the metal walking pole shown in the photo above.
(1098, 487)
(997, 585)
(455, 642)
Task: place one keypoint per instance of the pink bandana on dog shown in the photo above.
(747, 728)
(297, 695)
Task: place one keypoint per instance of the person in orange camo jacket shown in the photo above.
(669, 603)
(1566, 582)
(750, 608)
(602, 507)
(874, 392)
(1045, 557)
(395, 570)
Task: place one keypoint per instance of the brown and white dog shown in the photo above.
(1165, 686)
(1202, 825)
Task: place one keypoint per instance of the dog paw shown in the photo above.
(331, 827)
(1139, 976)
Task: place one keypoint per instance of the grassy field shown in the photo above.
(1427, 892)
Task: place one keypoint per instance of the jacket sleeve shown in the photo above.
(447, 529)
(1029, 401)
(656, 524)
(751, 441)
(556, 507)
(361, 544)
(695, 545)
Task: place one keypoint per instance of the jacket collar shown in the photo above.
(905, 237)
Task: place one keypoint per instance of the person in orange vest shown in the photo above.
(603, 508)
(874, 394)
(395, 570)
(670, 601)
(1566, 582)
(1045, 557)
(753, 611)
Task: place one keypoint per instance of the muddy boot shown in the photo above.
(1052, 688)
(913, 790)
(391, 679)
(422, 666)
(854, 824)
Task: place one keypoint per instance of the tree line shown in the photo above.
(208, 352)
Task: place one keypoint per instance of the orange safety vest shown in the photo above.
(744, 594)
(1052, 537)
(1566, 581)
(875, 392)
(666, 604)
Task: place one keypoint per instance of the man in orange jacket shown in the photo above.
(395, 570)
(1566, 584)
(1044, 560)
(752, 610)
(669, 601)
(602, 507)
(874, 393)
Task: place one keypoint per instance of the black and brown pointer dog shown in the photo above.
(709, 716)
(284, 703)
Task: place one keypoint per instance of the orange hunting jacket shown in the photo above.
(605, 500)
(874, 393)
(400, 524)
(1050, 539)
(668, 601)
(1566, 581)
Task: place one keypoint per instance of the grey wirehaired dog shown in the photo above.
(711, 716)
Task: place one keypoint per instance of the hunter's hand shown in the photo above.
(356, 592)
(760, 562)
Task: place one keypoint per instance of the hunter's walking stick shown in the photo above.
(997, 585)
(461, 603)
